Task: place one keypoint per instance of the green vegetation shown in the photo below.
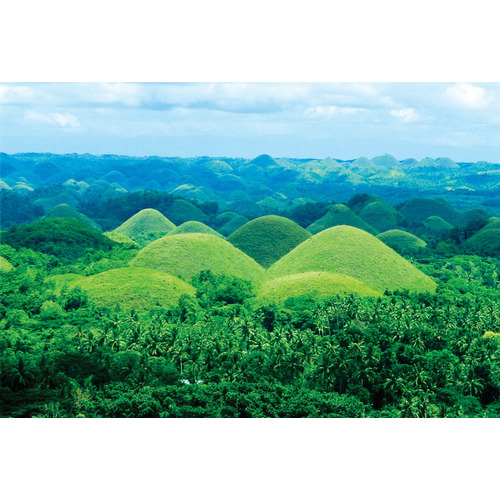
(268, 238)
(194, 227)
(380, 215)
(419, 209)
(134, 288)
(146, 226)
(315, 284)
(185, 255)
(5, 265)
(487, 240)
(232, 225)
(121, 238)
(355, 253)
(65, 211)
(402, 242)
(340, 215)
(183, 211)
(436, 225)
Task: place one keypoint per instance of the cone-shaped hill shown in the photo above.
(121, 238)
(487, 240)
(183, 211)
(234, 224)
(185, 255)
(264, 161)
(355, 253)
(194, 226)
(317, 284)
(380, 215)
(402, 242)
(65, 211)
(419, 209)
(340, 215)
(268, 238)
(134, 288)
(146, 226)
(437, 225)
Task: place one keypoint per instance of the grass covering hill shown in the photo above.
(146, 226)
(402, 242)
(268, 238)
(181, 211)
(194, 227)
(419, 209)
(134, 288)
(5, 265)
(487, 240)
(234, 224)
(317, 284)
(264, 161)
(121, 238)
(65, 211)
(340, 215)
(185, 255)
(380, 215)
(355, 253)
(437, 225)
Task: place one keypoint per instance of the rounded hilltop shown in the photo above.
(268, 238)
(185, 255)
(340, 215)
(146, 226)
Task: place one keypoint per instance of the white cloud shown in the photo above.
(60, 119)
(329, 111)
(468, 95)
(14, 94)
(406, 115)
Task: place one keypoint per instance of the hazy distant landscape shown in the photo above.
(264, 287)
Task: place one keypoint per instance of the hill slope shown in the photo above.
(340, 215)
(185, 255)
(268, 238)
(317, 284)
(146, 226)
(134, 288)
(355, 253)
(194, 227)
(402, 242)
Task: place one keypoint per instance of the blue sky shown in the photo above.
(341, 120)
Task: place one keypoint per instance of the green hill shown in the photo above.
(402, 242)
(419, 209)
(340, 215)
(386, 160)
(268, 238)
(487, 240)
(120, 238)
(317, 284)
(185, 255)
(134, 288)
(234, 224)
(380, 215)
(264, 161)
(64, 211)
(183, 211)
(437, 225)
(194, 227)
(355, 253)
(5, 265)
(146, 226)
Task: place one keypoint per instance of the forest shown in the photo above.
(150, 303)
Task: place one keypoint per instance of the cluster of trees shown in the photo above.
(218, 355)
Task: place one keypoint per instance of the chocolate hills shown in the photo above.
(355, 253)
(268, 238)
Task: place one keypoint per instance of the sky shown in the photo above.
(302, 120)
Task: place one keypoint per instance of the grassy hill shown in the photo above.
(268, 238)
(340, 215)
(146, 226)
(234, 224)
(183, 211)
(487, 240)
(419, 209)
(317, 284)
(355, 253)
(194, 227)
(402, 242)
(185, 255)
(437, 225)
(67, 212)
(380, 215)
(121, 238)
(134, 288)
